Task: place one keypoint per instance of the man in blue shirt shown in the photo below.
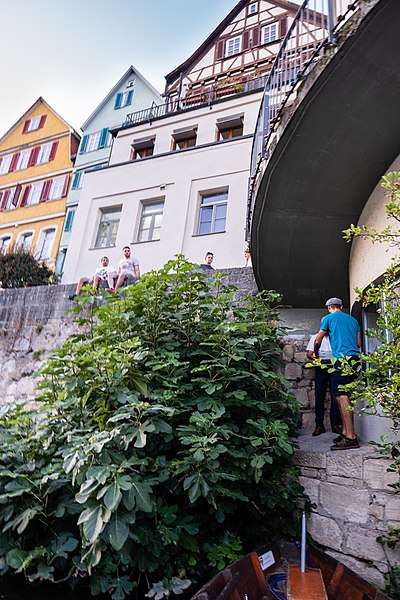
(345, 337)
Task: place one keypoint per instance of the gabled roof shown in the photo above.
(286, 4)
(131, 71)
(40, 100)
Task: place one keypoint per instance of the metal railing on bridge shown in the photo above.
(314, 27)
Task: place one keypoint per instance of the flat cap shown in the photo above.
(334, 302)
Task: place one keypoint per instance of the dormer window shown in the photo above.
(252, 8)
(233, 46)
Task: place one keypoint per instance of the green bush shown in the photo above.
(20, 269)
(160, 448)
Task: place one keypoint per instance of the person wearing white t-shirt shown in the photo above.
(128, 267)
(322, 381)
(104, 273)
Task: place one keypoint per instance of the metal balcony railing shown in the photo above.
(205, 96)
(314, 27)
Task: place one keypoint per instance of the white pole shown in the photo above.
(303, 543)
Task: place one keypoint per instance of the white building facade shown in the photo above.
(177, 179)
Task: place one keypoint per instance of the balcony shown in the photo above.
(204, 97)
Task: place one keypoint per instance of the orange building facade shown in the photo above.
(36, 160)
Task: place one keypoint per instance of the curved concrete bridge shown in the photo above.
(335, 142)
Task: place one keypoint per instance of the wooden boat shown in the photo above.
(254, 576)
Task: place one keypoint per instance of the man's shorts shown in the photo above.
(338, 379)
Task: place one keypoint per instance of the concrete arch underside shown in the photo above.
(339, 142)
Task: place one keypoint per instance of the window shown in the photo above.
(143, 148)
(5, 244)
(184, 138)
(9, 198)
(23, 158)
(57, 187)
(5, 164)
(233, 46)
(252, 10)
(77, 180)
(269, 33)
(34, 123)
(229, 127)
(44, 154)
(95, 141)
(123, 99)
(25, 241)
(108, 227)
(43, 249)
(150, 221)
(212, 217)
(69, 219)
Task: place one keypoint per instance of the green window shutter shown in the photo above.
(118, 100)
(84, 144)
(103, 137)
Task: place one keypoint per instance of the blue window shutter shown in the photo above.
(103, 137)
(84, 144)
(118, 100)
(129, 99)
(69, 220)
(76, 180)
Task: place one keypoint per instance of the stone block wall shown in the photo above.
(353, 504)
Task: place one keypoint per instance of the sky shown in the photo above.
(72, 52)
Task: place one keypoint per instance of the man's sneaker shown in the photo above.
(72, 297)
(346, 444)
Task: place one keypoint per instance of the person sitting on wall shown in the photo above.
(128, 268)
(322, 381)
(209, 257)
(104, 273)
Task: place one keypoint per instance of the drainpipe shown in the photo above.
(179, 90)
(331, 21)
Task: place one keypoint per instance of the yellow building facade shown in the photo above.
(36, 160)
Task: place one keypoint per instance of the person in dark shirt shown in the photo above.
(209, 257)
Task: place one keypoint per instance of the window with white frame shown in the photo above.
(108, 227)
(212, 215)
(93, 141)
(34, 193)
(269, 33)
(34, 123)
(8, 204)
(23, 158)
(25, 240)
(45, 245)
(150, 221)
(5, 242)
(44, 154)
(5, 164)
(233, 46)
(56, 189)
(252, 9)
